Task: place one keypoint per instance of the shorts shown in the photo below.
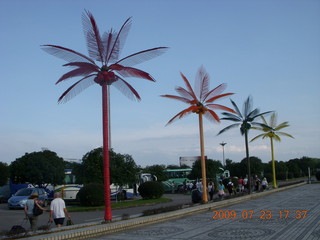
(59, 221)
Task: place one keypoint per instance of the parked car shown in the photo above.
(19, 199)
(4, 193)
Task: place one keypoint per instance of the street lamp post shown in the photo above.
(222, 144)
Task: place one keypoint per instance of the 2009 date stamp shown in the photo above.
(263, 214)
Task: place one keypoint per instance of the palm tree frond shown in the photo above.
(215, 92)
(285, 134)
(236, 108)
(219, 96)
(66, 54)
(185, 100)
(189, 88)
(186, 94)
(84, 69)
(182, 114)
(202, 83)
(114, 45)
(131, 72)
(247, 106)
(256, 137)
(142, 56)
(91, 32)
(126, 88)
(229, 127)
(211, 116)
(76, 88)
(221, 107)
(231, 117)
(281, 126)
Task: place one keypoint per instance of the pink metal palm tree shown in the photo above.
(201, 102)
(105, 49)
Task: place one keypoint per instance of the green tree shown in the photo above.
(293, 169)
(272, 131)
(256, 166)
(157, 170)
(202, 102)
(245, 120)
(4, 173)
(123, 169)
(212, 168)
(38, 168)
(235, 168)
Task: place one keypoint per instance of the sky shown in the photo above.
(267, 49)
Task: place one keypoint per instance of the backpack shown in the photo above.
(36, 210)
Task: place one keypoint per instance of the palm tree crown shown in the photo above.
(105, 49)
(245, 119)
(201, 99)
(271, 129)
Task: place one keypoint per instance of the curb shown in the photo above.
(81, 231)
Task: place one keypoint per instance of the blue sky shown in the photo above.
(267, 49)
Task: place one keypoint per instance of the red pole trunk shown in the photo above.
(106, 162)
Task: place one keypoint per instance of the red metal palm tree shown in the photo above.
(105, 49)
(201, 101)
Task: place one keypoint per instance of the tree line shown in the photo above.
(46, 167)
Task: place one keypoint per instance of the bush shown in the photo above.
(318, 175)
(150, 190)
(91, 194)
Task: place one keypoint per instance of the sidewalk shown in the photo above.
(96, 228)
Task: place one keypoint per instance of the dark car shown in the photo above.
(4, 193)
(19, 199)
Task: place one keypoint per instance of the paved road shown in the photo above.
(277, 216)
(15, 217)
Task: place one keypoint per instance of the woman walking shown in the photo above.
(28, 209)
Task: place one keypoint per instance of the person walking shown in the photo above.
(211, 189)
(221, 190)
(28, 209)
(58, 210)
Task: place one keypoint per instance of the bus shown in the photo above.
(69, 189)
(176, 179)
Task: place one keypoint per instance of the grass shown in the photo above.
(118, 205)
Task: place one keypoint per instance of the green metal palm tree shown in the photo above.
(202, 102)
(272, 130)
(245, 120)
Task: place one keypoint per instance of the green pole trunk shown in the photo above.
(273, 165)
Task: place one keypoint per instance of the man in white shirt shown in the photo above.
(58, 210)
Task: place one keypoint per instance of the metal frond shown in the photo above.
(131, 72)
(126, 89)
(92, 34)
(76, 88)
(114, 48)
(229, 127)
(215, 92)
(142, 56)
(185, 100)
(201, 84)
(186, 94)
(66, 54)
(236, 108)
(82, 70)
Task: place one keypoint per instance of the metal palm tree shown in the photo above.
(245, 120)
(272, 130)
(105, 49)
(201, 100)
